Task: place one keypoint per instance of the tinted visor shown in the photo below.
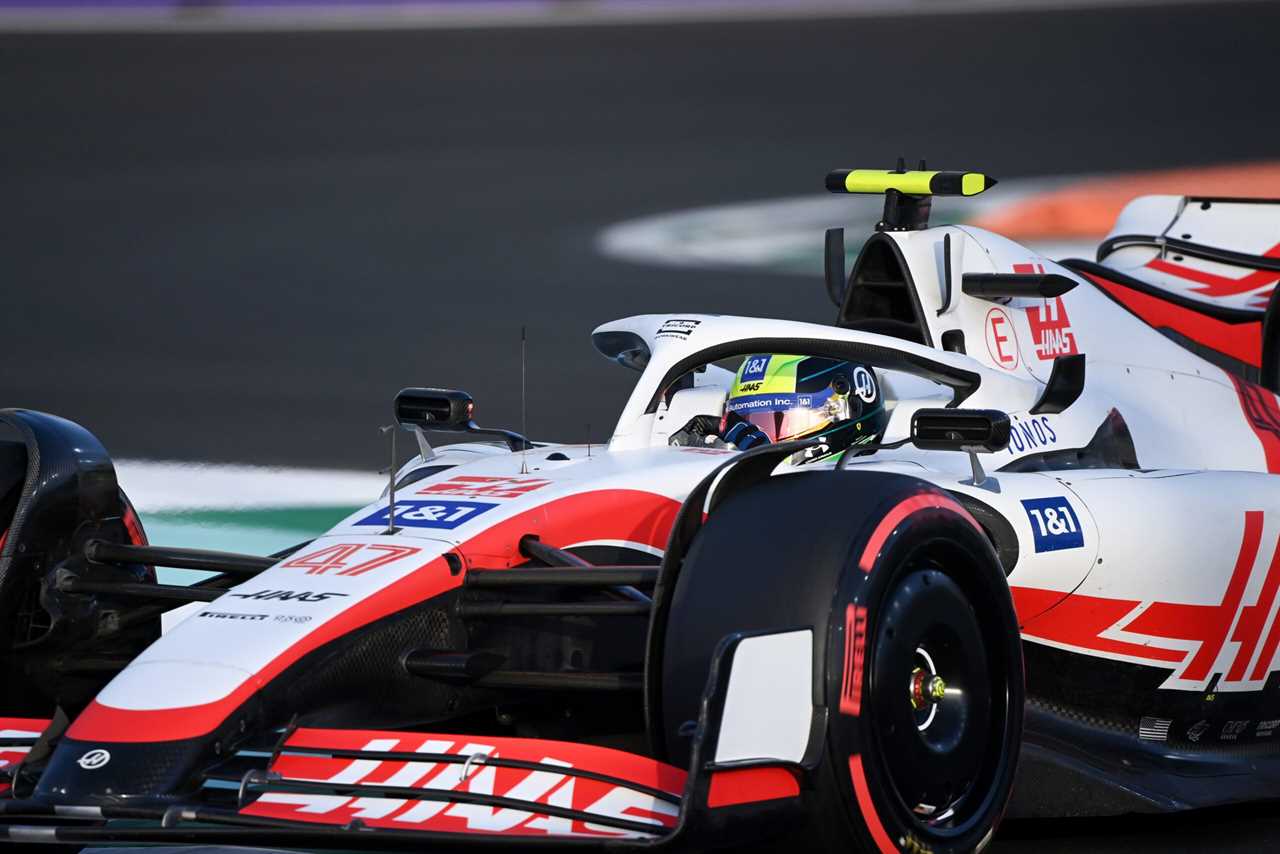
(788, 416)
(781, 426)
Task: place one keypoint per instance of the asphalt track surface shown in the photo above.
(238, 247)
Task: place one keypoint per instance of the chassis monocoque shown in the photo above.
(1050, 590)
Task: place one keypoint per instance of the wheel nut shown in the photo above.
(925, 689)
(937, 688)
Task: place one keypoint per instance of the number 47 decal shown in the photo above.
(337, 557)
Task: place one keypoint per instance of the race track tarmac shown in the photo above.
(239, 247)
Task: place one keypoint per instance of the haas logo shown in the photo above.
(1050, 327)
(1051, 330)
(476, 795)
(94, 759)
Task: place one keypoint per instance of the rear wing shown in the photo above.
(1203, 270)
(1217, 251)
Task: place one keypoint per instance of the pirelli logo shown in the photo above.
(855, 647)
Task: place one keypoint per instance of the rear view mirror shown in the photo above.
(973, 430)
(434, 408)
(447, 410)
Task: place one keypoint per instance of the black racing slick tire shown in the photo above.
(58, 490)
(921, 670)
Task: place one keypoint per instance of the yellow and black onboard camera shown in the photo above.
(908, 199)
(908, 195)
(915, 183)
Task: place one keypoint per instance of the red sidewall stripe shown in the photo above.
(900, 512)
(862, 792)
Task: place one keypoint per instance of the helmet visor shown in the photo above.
(790, 416)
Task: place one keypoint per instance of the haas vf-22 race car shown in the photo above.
(1000, 540)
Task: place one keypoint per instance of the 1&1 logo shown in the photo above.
(1054, 524)
(440, 514)
(754, 368)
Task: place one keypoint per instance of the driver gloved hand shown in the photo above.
(744, 435)
(700, 430)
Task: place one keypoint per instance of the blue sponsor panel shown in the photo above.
(755, 368)
(748, 403)
(1054, 523)
(439, 513)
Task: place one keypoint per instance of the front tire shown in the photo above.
(58, 490)
(921, 669)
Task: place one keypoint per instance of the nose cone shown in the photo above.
(83, 772)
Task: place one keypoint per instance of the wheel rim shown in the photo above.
(932, 698)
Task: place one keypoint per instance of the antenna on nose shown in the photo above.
(391, 475)
(524, 426)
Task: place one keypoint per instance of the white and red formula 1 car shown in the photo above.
(1047, 587)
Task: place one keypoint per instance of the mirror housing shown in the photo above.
(448, 410)
(972, 430)
(434, 408)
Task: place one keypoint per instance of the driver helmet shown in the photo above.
(778, 398)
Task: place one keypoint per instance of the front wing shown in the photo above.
(340, 788)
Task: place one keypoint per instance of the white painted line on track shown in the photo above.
(786, 235)
(550, 13)
(160, 485)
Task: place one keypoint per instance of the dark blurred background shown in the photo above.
(225, 244)
(239, 245)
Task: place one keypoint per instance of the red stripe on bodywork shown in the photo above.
(901, 511)
(1207, 624)
(1241, 341)
(587, 757)
(25, 724)
(100, 722)
(629, 515)
(554, 783)
(606, 760)
(751, 785)
(1078, 621)
(1215, 285)
(1253, 617)
(1263, 414)
(12, 756)
(1031, 602)
(868, 809)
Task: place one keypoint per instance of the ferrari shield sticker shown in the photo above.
(1053, 524)
(440, 513)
